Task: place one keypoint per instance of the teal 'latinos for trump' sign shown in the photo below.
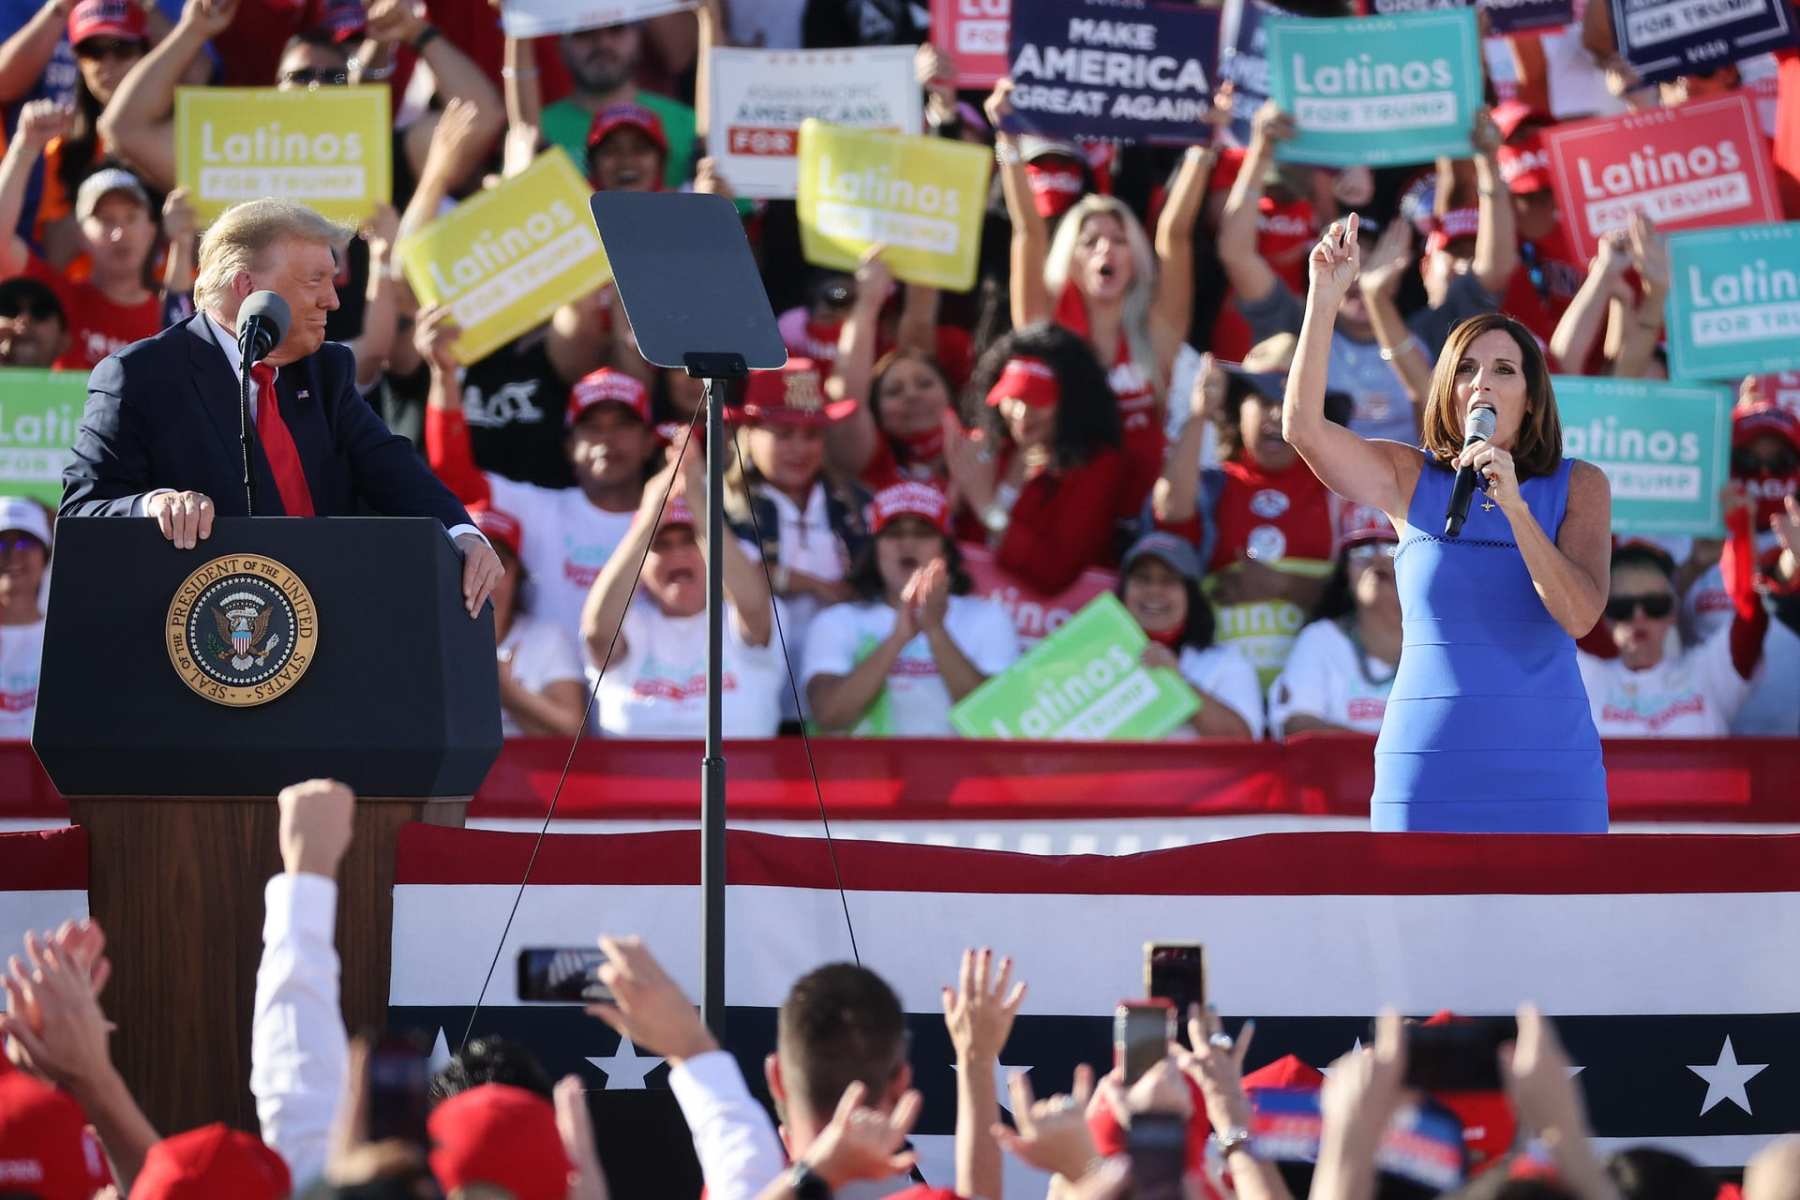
(1734, 301)
(1665, 448)
(1085, 682)
(1376, 90)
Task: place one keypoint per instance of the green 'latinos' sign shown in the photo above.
(1376, 90)
(39, 414)
(1734, 302)
(1665, 448)
(1085, 682)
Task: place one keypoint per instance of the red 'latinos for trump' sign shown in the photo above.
(974, 34)
(1699, 164)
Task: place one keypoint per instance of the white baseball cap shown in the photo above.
(26, 516)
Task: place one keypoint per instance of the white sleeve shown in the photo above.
(996, 639)
(733, 1139)
(1233, 681)
(830, 644)
(1304, 687)
(1717, 674)
(299, 1055)
(528, 502)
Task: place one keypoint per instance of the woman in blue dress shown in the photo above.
(1487, 727)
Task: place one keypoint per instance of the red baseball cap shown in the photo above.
(1489, 1126)
(500, 1135)
(1510, 114)
(794, 395)
(1451, 226)
(627, 115)
(1751, 421)
(45, 1148)
(107, 18)
(1027, 379)
(1525, 165)
(1288, 1071)
(500, 527)
(677, 512)
(1365, 523)
(212, 1160)
(607, 386)
(909, 500)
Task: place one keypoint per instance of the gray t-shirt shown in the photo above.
(1466, 298)
(1356, 368)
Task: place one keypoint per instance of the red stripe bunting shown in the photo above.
(44, 860)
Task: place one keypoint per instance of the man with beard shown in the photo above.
(603, 63)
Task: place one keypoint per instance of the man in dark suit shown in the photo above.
(160, 438)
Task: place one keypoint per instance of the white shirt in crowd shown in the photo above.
(1223, 673)
(657, 688)
(21, 650)
(566, 542)
(299, 1055)
(1772, 709)
(809, 545)
(1691, 694)
(1328, 678)
(915, 702)
(541, 654)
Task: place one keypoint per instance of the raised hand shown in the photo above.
(1485, 135)
(394, 21)
(1271, 124)
(1364, 1088)
(1334, 263)
(648, 1007)
(934, 606)
(42, 120)
(1051, 1135)
(1386, 265)
(864, 1143)
(980, 1012)
(1649, 253)
(1211, 383)
(874, 281)
(1535, 1070)
(179, 222)
(53, 1016)
(998, 105)
(317, 817)
(434, 337)
(1216, 1064)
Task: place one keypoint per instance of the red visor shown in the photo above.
(909, 500)
(1027, 379)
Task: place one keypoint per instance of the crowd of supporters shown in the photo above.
(1107, 397)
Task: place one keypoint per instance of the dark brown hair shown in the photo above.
(1540, 443)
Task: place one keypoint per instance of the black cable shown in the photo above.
(800, 711)
(569, 762)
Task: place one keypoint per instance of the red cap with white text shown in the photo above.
(607, 386)
(1029, 379)
(45, 1149)
(909, 499)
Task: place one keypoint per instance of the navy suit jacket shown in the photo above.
(163, 413)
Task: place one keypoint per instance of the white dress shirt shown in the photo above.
(299, 1054)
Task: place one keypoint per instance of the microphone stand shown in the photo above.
(244, 427)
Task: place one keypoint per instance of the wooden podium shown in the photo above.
(181, 690)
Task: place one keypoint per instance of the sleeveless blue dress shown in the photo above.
(1487, 728)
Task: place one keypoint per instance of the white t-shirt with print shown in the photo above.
(1691, 694)
(566, 542)
(1327, 678)
(541, 654)
(915, 702)
(1223, 673)
(657, 688)
(21, 649)
(1772, 708)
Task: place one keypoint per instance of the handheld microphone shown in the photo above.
(1478, 428)
(262, 323)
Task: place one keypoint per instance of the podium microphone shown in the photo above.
(1478, 428)
(262, 323)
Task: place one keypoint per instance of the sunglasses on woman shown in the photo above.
(1748, 462)
(308, 77)
(1656, 607)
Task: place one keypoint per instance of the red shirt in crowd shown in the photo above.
(97, 326)
(1539, 303)
(1285, 233)
(1279, 515)
(1145, 438)
(1061, 524)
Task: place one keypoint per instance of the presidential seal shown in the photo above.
(242, 630)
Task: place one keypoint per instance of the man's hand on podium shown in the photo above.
(481, 570)
(185, 518)
(315, 826)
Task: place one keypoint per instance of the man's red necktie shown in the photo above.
(278, 445)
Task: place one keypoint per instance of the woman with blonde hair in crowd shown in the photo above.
(1100, 277)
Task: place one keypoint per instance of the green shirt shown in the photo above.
(566, 123)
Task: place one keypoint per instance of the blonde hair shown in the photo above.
(1138, 297)
(237, 240)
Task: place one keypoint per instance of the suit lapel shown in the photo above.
(302, 407)
(215, 390)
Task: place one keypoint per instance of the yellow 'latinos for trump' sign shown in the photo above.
(329, 149)
(506, 259)
(921, 197)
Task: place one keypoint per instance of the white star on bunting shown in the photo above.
(1726, 1078)
(626, 1069)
